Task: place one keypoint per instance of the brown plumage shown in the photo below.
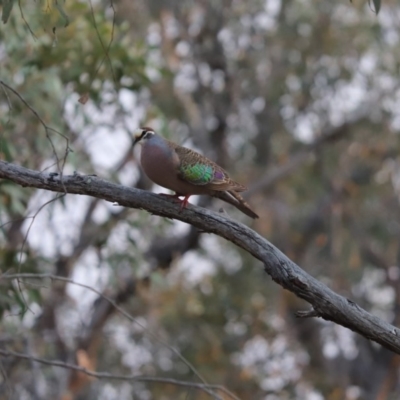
(187, 172)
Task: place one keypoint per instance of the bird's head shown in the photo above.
(143, 134)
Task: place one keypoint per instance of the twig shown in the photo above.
(209, 389)
(58, 196)
(25, 21)
(121, 311)
(106, 49)
(278, 173)
(45, 126)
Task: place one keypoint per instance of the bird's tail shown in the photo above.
(236, 200)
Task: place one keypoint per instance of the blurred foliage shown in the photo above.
(377, 5)
(252, 84)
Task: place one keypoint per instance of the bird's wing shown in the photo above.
(199, 170)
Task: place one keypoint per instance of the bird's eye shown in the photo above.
(147, 134)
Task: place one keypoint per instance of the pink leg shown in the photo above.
(183, 202)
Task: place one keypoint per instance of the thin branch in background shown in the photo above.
(295, 162)
(25, 21)
(60, 168)
(10, 107)
(119, 309)
(209, 389)
(49, 167)
(105, 49)
(34, 368)
(6, 381)
(45, 126)
(12, 221)
(278, 173)
(26, 239)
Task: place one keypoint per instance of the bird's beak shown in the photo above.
(137, 137)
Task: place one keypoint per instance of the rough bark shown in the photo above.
(325, 303)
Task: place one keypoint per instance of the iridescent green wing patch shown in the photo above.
(198, 174)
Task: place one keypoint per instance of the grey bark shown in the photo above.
(325, 303)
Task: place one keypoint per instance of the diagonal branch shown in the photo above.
(209, 389)
(325, 303)
(277, 173)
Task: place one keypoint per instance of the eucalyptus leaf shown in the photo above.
(7, 8)
(377, 5)
(62, 13)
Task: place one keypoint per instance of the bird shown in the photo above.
(186, 172)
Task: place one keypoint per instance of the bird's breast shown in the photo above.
(157, 163)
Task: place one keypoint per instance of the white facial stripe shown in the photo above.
(148, 134)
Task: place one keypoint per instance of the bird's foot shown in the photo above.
(176, 196)
(184, 202)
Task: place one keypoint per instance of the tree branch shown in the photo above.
(209, 389)
(113, 303)
(326, 303)
(275, 174)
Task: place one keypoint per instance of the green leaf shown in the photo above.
(16, 197)
(62, 13)
(6, 148)
(7, 8)
(377, 5)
